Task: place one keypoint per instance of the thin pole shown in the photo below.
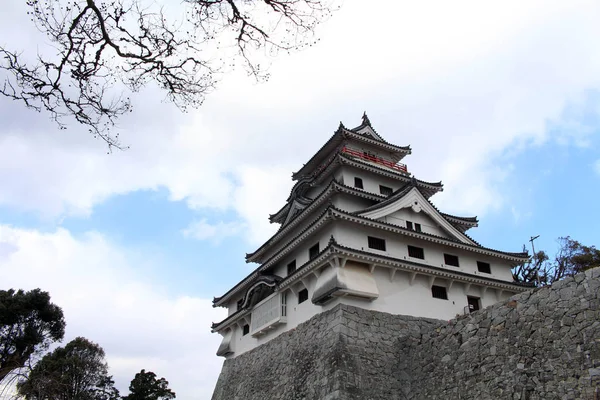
(537, 270)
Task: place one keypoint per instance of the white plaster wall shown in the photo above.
(396, 296)
(371, 181)
(396, 246)
(400, 297)
(296, 314)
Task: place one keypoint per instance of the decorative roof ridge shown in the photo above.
(366, 122)
(521, 255)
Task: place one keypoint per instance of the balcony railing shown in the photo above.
(269, 313)
(372, 158)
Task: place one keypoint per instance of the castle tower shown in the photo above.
(360, 230)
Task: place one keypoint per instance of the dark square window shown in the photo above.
(384, 190)
(417, 227)
(474, 303)
(358, 183)
(484, 267)
(302, 296)
(313, 251)
(449, 259)
(376, 243)
(245, 330)
(409, 225)
(416, 252)
(291, 267)
(439, 292)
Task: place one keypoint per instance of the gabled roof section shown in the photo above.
(363, 133)
(366, 129)
(409, 196)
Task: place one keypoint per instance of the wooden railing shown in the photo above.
(369, 157)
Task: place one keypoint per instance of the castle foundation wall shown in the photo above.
(541, 344)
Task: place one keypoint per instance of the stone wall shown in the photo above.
(543, 344)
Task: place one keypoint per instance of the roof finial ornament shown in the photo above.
(365, 119)
(341, 127)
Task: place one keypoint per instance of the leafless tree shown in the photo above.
(571, 258)
(94, 45)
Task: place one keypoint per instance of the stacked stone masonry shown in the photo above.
(541, 344)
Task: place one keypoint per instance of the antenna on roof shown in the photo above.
(537, 270)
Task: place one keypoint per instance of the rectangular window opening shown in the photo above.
(313, 251)
(302, 296)
(409, 225)
(416, 252)
(417, 227)
(439, 292)
(386, 191)
(245, 330)
(376, 243)
(358, 183)
(484, 267)
(291, 267)
(450, 259)
(474, 303)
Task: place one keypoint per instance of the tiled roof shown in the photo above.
(337, 213)
(334, 247)
(342, 133)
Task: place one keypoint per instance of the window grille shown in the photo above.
(416, 252)
(439, 292)
(376, 243)
(450, 259)
(484, 267)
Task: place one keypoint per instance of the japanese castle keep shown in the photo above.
(359, 229)
(368, 292)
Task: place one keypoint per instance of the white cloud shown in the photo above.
(105, 299)
(203, 230)
(596, 166)
(462, 83)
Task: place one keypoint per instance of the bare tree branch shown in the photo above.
(100, 49)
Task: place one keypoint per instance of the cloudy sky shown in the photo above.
(499, 101)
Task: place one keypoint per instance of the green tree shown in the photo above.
(74, 372)
(571, 258)
(145, 386)
(29, 323)
(95, 44)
